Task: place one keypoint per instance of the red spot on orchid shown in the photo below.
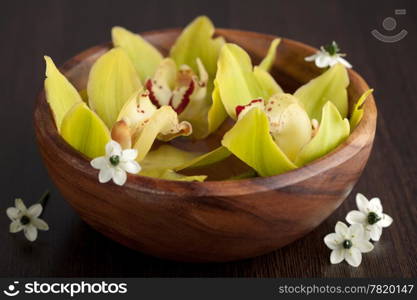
(149, 85)
(239, 108)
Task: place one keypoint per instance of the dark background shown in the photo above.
(30, 29)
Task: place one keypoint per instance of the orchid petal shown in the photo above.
(357, 113)
(267, 82)
(199, 103)
(251, 142)
(206, 159)
(172, 175)
(196, 41)
(144, 56)
(60, 93)
(290, 125)
(235, 79)
(217, 113)
(111, 82)
(329, 86)
(333, 130)
(160, 85)
(85, 131)
(166, 157)
(269, 59)
(163, 124)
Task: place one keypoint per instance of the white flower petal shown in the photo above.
(105, 175)
(15, 226)
(385, 220)
(40, 224)
(31, 233)
(130, 166)
(100, 162)
(323, 60)
(13, 213)
(344, 62)
(119, 176)
(375, 232)
(337, 256)
(353, 256)
(113, 148)
(375, 206)
(362, 203)
(35, 210)
(333, 60)
(19, 204)
(363, 245)
(367, 233)
(129, 154)
(333, 240)
(356, 217)
(311, 57)
(355, 231)
(341, 228)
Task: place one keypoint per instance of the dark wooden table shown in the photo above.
(60, 29)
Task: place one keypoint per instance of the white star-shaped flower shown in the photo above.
(116, 163)
(26, 219)
(370, 216)
(348, 243)
(328, 56)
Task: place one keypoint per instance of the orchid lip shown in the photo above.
(185, 99)
(149, 86)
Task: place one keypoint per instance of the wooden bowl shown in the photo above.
(215, 220)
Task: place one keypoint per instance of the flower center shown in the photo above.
(347, 244)
(114, 160)
(25, 220)
(373, 218)
(332, 48)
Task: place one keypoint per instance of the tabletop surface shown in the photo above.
(62, 29)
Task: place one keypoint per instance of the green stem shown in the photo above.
(44, 198)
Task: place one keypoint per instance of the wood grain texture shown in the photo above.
(61, 29)
(218, 220)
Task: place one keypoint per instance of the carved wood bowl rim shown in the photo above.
(46, 129)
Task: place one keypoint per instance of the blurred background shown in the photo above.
(61, 29)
